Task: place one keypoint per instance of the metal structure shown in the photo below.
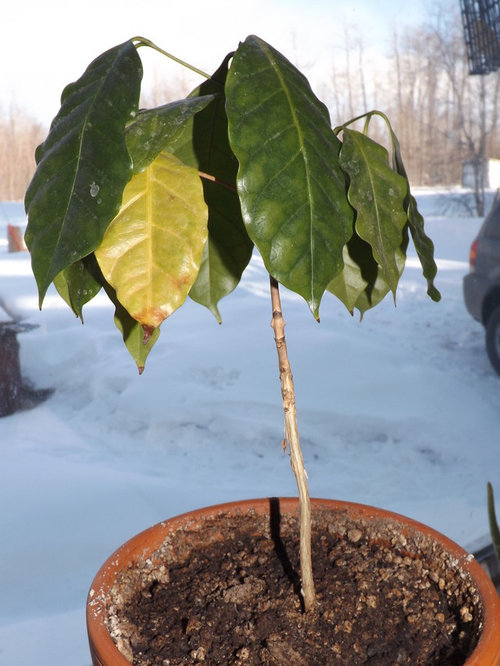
(481, 21)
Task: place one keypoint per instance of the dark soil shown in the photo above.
(384, 598)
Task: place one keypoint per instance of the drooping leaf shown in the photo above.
(83, 165)
(494, 529)
(361, 284)
(378, 194)
(423, 244)
(424, 247)
(378, 290)
(132, 332)
(349, 284)
(155, 130)
(78, 283)
(205, 145)
(151, 252)
(291, 187)
(194, 146)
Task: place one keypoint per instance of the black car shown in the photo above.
(482, 283)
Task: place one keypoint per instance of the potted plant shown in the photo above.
(155, 205)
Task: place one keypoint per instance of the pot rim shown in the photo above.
(105, 652)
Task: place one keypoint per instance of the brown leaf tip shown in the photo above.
(148, 332)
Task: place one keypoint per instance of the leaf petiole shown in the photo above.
(142, 41)
(367, 116)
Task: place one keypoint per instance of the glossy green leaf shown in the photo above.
(151, 252)
(154, 130)
(205, 146)
(424, 247)
(349, 284)
(83, 165)
(78, 283)
(291, 187)
(361, 284)
(378, 290)
(423, 244)
(377, 193)
(494, 529)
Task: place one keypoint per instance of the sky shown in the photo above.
(46, 45)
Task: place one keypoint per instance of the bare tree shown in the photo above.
(19, 136)
(444, 116)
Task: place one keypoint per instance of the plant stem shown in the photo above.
(292, 439)
(142, 41)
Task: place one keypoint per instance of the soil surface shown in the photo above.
(384, 598)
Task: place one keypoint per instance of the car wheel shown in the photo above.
(493, 338)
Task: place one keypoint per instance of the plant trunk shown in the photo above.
(292, 440)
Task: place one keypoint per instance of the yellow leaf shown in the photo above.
(151, 252)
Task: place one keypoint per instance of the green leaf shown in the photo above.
(378, 290)
(424, 247)
(291, 187)
(83, 165)
(377, 193)
(151, 252)
(423, 244)
(349, 284)
(205, 146)
(361, 284)
(77, 284)
(132, 332)
(137, 344)
(155, 130)
(494, 530)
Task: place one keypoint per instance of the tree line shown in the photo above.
(20, 133)
(442, 115)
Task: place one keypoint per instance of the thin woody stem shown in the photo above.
(292, 439)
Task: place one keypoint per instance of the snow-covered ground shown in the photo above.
(399, 410)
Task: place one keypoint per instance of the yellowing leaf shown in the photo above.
(151, 252)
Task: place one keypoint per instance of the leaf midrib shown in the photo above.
(83, 132)
(303, 152)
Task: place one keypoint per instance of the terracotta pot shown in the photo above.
(105, 653)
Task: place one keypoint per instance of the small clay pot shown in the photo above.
(105, 653)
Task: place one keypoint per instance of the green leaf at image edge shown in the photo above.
(494, 529)
(83, 165)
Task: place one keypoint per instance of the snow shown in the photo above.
(399, 410)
